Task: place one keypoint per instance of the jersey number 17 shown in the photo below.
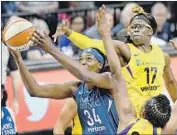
(148, 70)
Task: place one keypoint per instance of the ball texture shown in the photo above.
(17, 33)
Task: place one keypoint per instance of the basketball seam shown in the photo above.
(5, 28)
(19, 33)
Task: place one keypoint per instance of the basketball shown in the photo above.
(17, 33)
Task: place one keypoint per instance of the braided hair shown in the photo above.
(158, 110)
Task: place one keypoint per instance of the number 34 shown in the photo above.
(93, 117)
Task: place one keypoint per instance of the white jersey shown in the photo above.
(5, 58)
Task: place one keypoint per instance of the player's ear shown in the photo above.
(150, 32)
(100, 66)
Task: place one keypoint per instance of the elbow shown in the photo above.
(32, 94)
(86, 77)
(58, 131)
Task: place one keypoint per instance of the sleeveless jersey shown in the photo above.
(144, 75)
(97, 111)
(7, 123)
(77, 129)
(142, 127)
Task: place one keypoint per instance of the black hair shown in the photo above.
(4, 99)
(75, 16)
(158, 110)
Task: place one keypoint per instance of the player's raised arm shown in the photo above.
(120, 94)
(55, 91)
(84, 42)
(168, 76)
(74, 67)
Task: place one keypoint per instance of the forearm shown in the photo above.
(83, 41)
(78, 70)
(112, 57)
(28, 80)
(15, 83)
(172, 89)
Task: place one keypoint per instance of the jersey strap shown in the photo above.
(154, 131)
(125, 131)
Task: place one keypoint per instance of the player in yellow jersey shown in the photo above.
(144, 65)
(68, 114)
(156, 111)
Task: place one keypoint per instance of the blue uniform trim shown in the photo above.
(7, 123)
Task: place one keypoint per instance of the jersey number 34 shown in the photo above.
(92, 117)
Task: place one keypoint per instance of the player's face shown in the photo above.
(90, 62)
(139, 31)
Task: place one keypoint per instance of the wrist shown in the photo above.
(106, 34)
(68, 33)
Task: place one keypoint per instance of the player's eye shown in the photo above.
(89, 58)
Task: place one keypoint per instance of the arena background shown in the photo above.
(38, 116)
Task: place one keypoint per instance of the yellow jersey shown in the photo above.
(77, 129)
(143, 73)
(141, 126)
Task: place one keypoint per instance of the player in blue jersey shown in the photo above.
(8, 126)
(96, 108)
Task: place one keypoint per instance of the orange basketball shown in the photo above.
(17, 33)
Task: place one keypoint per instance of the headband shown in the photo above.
(97, 55)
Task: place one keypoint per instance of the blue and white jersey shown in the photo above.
(97, 111)
(7, 122)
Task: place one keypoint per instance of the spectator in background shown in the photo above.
(81, 4)
(36, 53)
(160, 13)
(77, 23)
(38, 7)
(9, 7)
(92, 32)
(41, 8)
(125, 18)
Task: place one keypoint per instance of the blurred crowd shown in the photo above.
(45, 21)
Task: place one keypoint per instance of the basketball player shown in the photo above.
(8, 125)
(68, 114)
(96, 108)
(65, 119)
(144, 65)
(155, 112)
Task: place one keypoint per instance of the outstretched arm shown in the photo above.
(123, 104)
(168, 76)
(171, 126)
(77, 69)
(55, 91)
(65, 118)
(83, 41)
